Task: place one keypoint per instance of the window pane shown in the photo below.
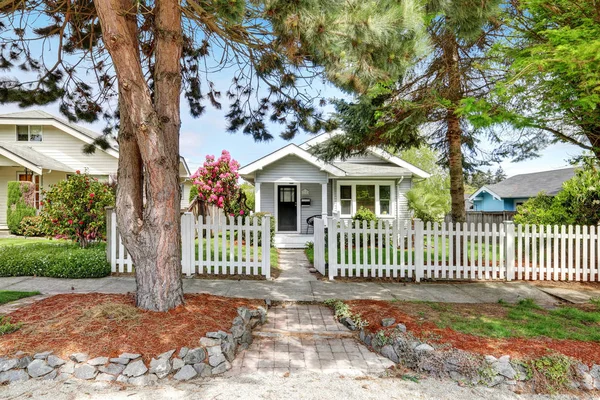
(346, 207)
(22, 133)
(35, 133)
(346, 192)
(384, 207)
(385, 192)
(365, 197)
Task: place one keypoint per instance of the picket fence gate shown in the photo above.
(461, 251)
(223, 246)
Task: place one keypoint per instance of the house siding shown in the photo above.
(267, 198)
(366, 158)
(402, 210)
(315, 204)
(486, 202)
(66, 149)
(291, 169)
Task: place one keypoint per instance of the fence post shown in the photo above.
(114, 239)
(332, 247)
(419, 246)
(186, 238)
(266, 246)
(109, 238)
(509, 231)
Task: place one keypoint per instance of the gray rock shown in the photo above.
(521, 372)
(424, 347)
(120, 360)
(216, 360)
(196, 355)
(388, 352)
(11, 363)
(224, 367)
(178, 363)
(348, 323)
(85, 371)
(51, 376)
(111, 369)
(63, 377)
(246, 337)
(203, 369)
(214, 350)
(160, 367)
(495, 381)
(167, 354)
(184, 350)
(586, 380)
(385, 322)
(368, 339)
(595, 373)
(38, 368)
(228, 349)
(14, 375)
(503, 367)
(457, 376)
(122, 379)
(186, 373)
(68, 368)
(490, 359)
(144, 380)
(237, 331)
(42, 356)
(55, 361)
(130, 356)
(98, 361)
(244, 313)
(105, 377)
(238, 321)
(135, 368)
(213, 335)
(504, 359)
(24, 362)
(362, 335)
(79, 357)
(401, 328)
(208, 342)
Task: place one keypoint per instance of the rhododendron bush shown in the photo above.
(217, 183)
(75, 208)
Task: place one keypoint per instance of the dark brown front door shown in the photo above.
(287, 211)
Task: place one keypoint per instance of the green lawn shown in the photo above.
(6, 296)
(523, 320)
(13, 241)
(219, 244)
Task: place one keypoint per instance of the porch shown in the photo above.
(293, 240)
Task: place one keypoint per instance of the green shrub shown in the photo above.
(33, 226)
(427, 206)
(6, 326)
(552, 372)
(364, 214)
(193, 193)
(61, 260)
(75, 208)
(19, 205)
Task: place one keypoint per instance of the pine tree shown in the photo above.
(145, 54)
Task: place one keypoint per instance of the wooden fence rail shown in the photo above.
(462, 251)
(220, 246)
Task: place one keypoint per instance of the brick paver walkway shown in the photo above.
(306, 338)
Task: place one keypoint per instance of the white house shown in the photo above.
(38, 147)
(294, 185)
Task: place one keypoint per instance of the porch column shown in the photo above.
(256, 196)
(324, 202)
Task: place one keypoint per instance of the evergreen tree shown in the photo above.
(148, 53)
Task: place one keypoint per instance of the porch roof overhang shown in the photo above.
(29, 158)
(247, 172)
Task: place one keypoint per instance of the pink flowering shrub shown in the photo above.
(217, 183)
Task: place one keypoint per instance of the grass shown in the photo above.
(274, 255)
(14, 241)
(524, 320)
(6, 296)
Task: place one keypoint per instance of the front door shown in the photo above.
(287, 211)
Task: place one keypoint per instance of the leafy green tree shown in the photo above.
(426, 205)
(480, 178)
(248, 191)
(76, 208)
(21, 201)
(552, 50)
(435, 101)
(152, 54)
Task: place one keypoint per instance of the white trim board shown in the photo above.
(353, 184)
(484, 189)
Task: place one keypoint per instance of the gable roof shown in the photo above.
(380, 153)
(290, 149)
(86, 135)
(529, 185)
(31, 159)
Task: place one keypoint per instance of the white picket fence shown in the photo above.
(458, 251)
(224, 246)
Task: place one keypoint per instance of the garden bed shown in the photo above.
(109, 324)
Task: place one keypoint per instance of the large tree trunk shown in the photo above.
(148, 149)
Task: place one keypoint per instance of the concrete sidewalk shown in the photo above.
(301, 290)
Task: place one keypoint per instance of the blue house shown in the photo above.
(514, 191)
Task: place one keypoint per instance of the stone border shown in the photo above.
(213, 356)
(402, 347)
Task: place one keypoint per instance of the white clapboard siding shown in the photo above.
(224, 246)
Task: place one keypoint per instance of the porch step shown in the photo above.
(292, 240)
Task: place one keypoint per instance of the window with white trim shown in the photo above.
(374, 197)
(29, 133)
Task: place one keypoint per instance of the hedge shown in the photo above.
(61, 260)
(19, 194)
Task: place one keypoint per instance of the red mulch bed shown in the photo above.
(109, 324)
(373, 311)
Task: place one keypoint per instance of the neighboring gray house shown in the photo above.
(293, 185)
(514, 191)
